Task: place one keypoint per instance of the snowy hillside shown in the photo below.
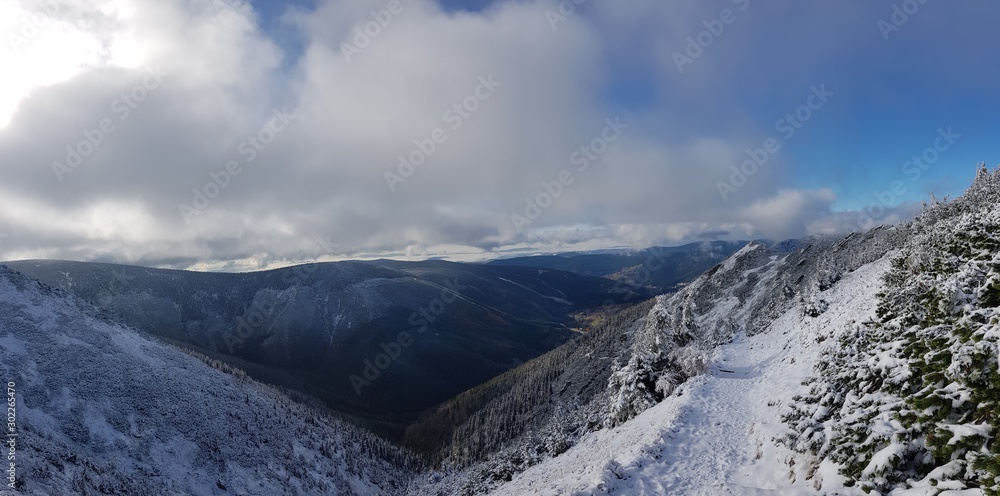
(102, 409)
(718, 433)
(642, 362)
(909, 401)
(319, 328)
(867, 365)
(743, 295)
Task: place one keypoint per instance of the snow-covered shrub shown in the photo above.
(814, 307)
(634, 389)
(913, 398)
(684, 362)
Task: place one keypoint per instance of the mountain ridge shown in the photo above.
(865, 365)
(320, 328)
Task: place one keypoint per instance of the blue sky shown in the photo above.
(887, 109)
(667, 123)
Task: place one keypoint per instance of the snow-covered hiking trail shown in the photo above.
(719, 434)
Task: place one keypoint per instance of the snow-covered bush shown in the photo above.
(912, 398)
(635, 389)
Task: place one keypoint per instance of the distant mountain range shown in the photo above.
(381, 340)
(660, 269)
(475, 366)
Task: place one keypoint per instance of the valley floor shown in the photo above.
(719, 434)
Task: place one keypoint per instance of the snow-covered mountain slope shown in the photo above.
(909, 402)
(102, 409)
(321, 328)
(743, 295)
(644, 361)
(868, 365)
(720, 432)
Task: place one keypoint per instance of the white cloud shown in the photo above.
(324, 175)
